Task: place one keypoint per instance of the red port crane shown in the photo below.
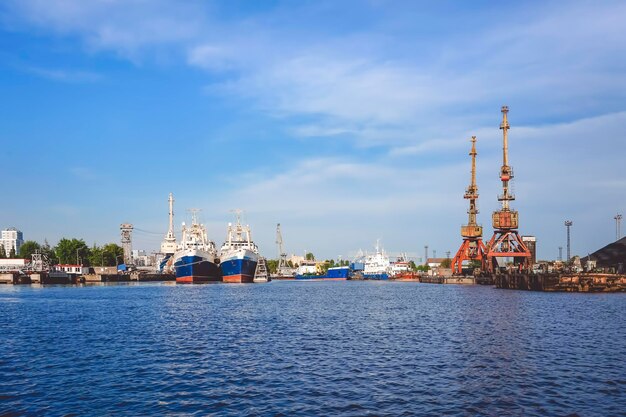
(472, 248)
(506, 241)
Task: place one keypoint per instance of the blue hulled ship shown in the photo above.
(196, 260)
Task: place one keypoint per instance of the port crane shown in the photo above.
(506, 241)
(283, 269)
(472, 248)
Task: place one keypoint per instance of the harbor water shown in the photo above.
(310, 348)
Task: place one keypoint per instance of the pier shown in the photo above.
(562, 282)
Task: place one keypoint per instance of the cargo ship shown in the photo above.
(377, 266)
(239, 255)
(196, 259)
(339, 273)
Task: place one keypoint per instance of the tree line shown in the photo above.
(70, 251)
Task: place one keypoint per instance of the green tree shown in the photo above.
(3, 253)
(309, 257)
(96, 256)
(446, 263)
(48, 252)
(272, 265)
(28, 248)
(69, 251)
(112, 253)
(12, 253)
(412, 266)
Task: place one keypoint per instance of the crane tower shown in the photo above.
(472, 247)
(127, 242)
(506, 241)
(282, 256)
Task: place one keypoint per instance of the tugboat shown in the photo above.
(239, 255)
(196, 259)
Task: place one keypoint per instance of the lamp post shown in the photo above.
(568, 224)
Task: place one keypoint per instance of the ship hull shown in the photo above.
(238, 269)
(379, 277)
(333, 274)
(196, 268)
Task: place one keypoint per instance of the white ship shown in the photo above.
(239, 255)
(377, 266)
(196, 259)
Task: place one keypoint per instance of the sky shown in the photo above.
(346, 122)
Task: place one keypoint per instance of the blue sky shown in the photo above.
(344, 121)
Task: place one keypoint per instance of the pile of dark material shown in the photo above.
(610, 256)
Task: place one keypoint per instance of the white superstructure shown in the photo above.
(377, 263)
(239, 244)
(195, 238)
(168, 246)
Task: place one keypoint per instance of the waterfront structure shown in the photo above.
(472, 248)
(531, 244)
(72, 269)
(12, 239)
(506, 241)
(127, 242)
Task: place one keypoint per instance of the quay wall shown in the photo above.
(562, 282)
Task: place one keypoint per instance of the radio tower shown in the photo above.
(472, 247)
(506, 241)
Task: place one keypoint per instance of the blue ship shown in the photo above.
(239, 255)
(195, 267)
(339, 273)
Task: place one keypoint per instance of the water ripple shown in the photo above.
(291, 348)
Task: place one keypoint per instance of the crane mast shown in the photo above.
(472, 247)
(282, 256)
(506, 241)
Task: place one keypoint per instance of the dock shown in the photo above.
(562, 282)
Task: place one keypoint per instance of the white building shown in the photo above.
(12, 239)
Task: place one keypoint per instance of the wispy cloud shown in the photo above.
(416, 89)
(64, 75)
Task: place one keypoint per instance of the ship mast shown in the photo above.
(168, 246)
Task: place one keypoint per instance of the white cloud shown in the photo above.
(68, 76)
